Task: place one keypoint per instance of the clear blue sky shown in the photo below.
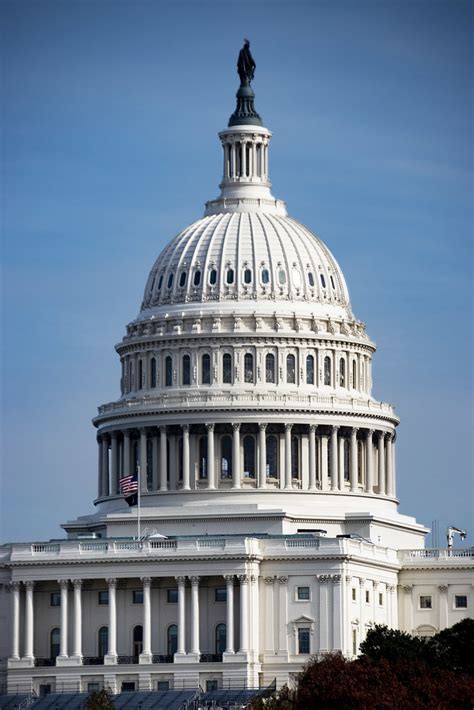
(110, 115)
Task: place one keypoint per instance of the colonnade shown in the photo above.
(214, 456)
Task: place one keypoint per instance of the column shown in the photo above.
(324, 462)
(323, 612)
(254, 159)
(99, 452)
(362, 583)
(334, 452)
(211, 473)
(389, 465)
(269, 646)
(262, 449)
(392, 606)
(236, 455)
(243, 167)
(181, 615)
(233, 162)
(337, 614)
(381, 454)
(15, 589)
(195, 615)
(288, 483)
(283, 615)
(229, 579)
(77, 649)
(312, 457)
(63, 640)
(254, 616)
(443, 606)
(342, 484)
(353, 461)
(154, 462)
(186, 486)
(29, 620)
(369, 481)
(244, 613)
(112, 651)
(143, 462)
(126, 454)
(407, 608)
(394, 467)
(105, 465)
(115, 470)
(163, 459)
(145, 656)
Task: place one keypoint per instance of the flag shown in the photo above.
(129, 488)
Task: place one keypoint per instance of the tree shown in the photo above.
(391, 644)
(100, 700)
(453, 648)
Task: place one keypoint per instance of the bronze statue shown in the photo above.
(245, 64)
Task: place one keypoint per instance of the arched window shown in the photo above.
(247, 276)
(282, 277)
(342, 372)
(310, 278)
(248, 368)
(160, 283)
(272, 456)
(197, 278)
(226, 457)
(213, 277)
(291, 369)
(172, 639)
(332, 283)
(103, 641)
(168, 371)
(137, 642)
(270, 368)
(323, 280)
(54, 644)
(229, 276)
(221, 638)
(309, 370)
(249, 456)
(186, 370)
(327, 370)
(170, 280)
(140, 374)
(182, 279)
(346, 459)
(227, 369)
(265, 276)
(295, 457)
(206, 369)
(153, 372)
(354, 374)
(203, 457)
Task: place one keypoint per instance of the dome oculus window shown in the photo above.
(170, 280)
(229, 276)
(265, 276)
(197, 278)
(213, 277)
(247, 276)
(310, 278)
(323, 280)
(282, 277)
(182, 279)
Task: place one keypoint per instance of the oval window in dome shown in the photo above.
(247, 276)
(160, 283)
(296, 278)
(197, 278)
(182, 279)
(230, 276)
(213, 277)
(265, 276)
(323, 280)
(332, 283)
(170, 280)
(282, 277)
(310, 278)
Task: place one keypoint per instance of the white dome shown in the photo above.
(246, 256)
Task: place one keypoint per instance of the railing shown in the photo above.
(159, 658)
(210, 658)
(46, 547)
(93, 660)
(45, 662)
(126, 660)
(437, 554)
(210, 543)
(302, 543)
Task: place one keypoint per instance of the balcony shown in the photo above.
(210, 658)
(93, 661)
(437, 556)
(43, 662)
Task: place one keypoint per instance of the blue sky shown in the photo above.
(110, 113)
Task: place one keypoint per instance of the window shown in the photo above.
(163, 685)
(197, 278)
(302, 594)
(342, 372)
(247, 276)
(170, 280)
(309, 370)
(226, 457)
(103, 641)
(354, 374)
(211, 685)
(127, 686)
(270, 368)
(206, 369)
(291, 369)
(265, 276)
(172, 596)
(323, 280)
(367, 596)
(310, 278)
(380, 599)
(220, 594)
(295, 457)
(221, 638)
(168, 371)
(203, 457)
(54, 645)
(213, 277)
(282, 277)
(303, 640)
(425, 601)
(103, 597)
(354, 594)
(272, 456)
(55, 599)
(460, 601)
(160, 282)
(327, 370)
(93, 687)
(182, 279)
(229, 276)
(332, 283)
(137, 596)
(186, 370)
(172, 639)
(140, 374)
(296, 279)
(137, 642)
(153, 372)
(248, 368)
(249, 456)
(227, 369)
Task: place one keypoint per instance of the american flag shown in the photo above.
(129, 485)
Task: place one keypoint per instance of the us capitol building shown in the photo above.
(269, 516)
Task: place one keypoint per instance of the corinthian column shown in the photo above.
(236, 455)
(77, 650)
(143, 462)
(334, 452)
(354, 463)
(181, 650)
(63, 640)
(114, 456)
(29, 620)
(381, 452)
(262, 448)
(145, 656)
(211, 474)
(15, 587)
(389, 465)
(111, 657)
(163, 460)
(186, 486)
(244, 613)
(195, 615)
(230, 613)
(312, 457)
(105, 464)
(288, 482)
(369, 485)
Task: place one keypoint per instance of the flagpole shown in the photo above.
(138, 500)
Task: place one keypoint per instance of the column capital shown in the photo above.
(146, 581)
(313, 427)
(323, 578)
(335, 428)
(210, 427)
(262, 426)
(389, 436)
(162, 429)
(76, 583)
(181, 580)
(370, 432)
(143, 431)
(29, 584)
(354, 430)
(114, 434)
(336, 578)
(253, 578)
(194, 580)
(288, 426)
(443, 588)
(407, 588)
(390, 588)
(185, 427)
(269, 580)
(63, 583)
(381, 435)
(229, 578)
(348, 578)
(236, 426)
(105, 436)
(362, 581)
(112, 582)
(243, 578)
(14, 586)
(282, 580)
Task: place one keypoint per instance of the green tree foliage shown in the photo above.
(391, 644)
(100, 700)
